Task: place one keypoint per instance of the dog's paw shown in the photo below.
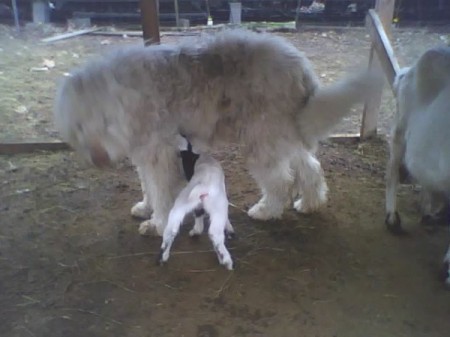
(151, 228)
(141, 210)
(302, 207)
(312, 203)
(260, 211)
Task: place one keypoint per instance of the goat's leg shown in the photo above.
(447, 263)
(397, 153)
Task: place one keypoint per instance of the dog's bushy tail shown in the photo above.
(332, 103)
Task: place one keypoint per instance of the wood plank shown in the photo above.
(17, 148)
(70, 35)
(385, 9)
(150, 21)
(382, 46)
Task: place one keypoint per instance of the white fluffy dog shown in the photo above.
(420, 137)
(205, 190)
(237, 86)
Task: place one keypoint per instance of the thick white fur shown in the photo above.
(235, 87)
(420, 136)
(206, 189)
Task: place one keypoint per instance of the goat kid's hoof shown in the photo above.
(394, 224)
(230, 235)
(429, 223)
(228, 264)
(160, 259)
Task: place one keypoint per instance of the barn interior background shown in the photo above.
(72, 262)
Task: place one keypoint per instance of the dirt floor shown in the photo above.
(73, 264)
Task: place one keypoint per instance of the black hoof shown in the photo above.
(395, 227)
(430, 223)
(230, 235)
(159, 260)
(444, 275)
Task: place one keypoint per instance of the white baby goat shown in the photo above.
(206, 190)
(420, 137)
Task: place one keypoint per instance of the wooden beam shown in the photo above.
(385, 10)
(17, 148)
(69, 35)
(382, 46)
(150, 21)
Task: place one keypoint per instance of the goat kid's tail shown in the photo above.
(332, 103)
(198, 193)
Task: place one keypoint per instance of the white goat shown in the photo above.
(420, 136)
(206, 190)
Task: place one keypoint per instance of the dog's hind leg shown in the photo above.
(143, 209)
(274, 180)
(310, 180)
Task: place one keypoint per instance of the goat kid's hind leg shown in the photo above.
(397, 153)
(176, 217)
(199, 223)
(217, 237)
(229, 230)
(310, 179)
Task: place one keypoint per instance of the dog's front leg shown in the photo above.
(397, 153)
(163, 185)
(143, 209)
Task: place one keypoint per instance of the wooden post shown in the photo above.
(385, 10)
(150, 21)
(382, 46)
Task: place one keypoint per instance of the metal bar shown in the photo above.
(69, 35)
(16, 14)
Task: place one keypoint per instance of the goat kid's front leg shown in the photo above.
(397, 153)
